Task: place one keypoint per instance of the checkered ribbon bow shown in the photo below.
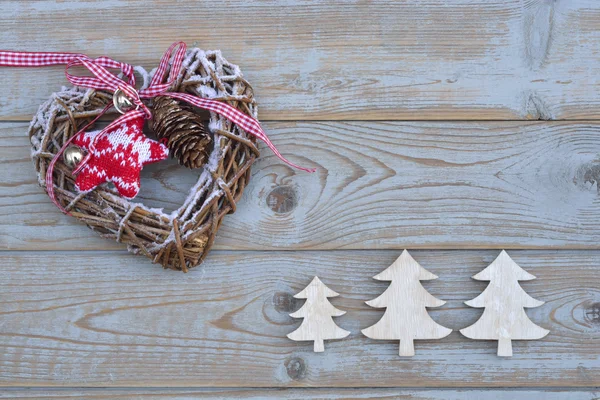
(103, 79)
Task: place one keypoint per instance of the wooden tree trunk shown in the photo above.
(504, 347)
(407, 348)
(319, 346)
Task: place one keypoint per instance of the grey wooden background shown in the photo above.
(452, 128)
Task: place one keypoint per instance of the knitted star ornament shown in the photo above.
(118, 157)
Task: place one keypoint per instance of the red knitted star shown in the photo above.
(118, 157)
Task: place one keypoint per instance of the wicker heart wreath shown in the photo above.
(179, 240)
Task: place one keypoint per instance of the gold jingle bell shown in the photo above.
(121, 102)
(72, 156)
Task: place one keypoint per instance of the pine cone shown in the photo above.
(185, 135)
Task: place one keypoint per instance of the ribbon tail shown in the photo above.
(245, 122)
(271, 146)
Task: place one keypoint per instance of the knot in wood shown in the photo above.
(592, 313)
(295, 368)
(282, 199)
(284, 302)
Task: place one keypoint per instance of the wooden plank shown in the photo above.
(112, 319)
(382, 59)
(297, 394)
(379, 185)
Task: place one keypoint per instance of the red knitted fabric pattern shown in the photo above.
(118, 157)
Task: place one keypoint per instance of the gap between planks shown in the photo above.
(302, 394)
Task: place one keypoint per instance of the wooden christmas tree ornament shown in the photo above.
(406, 317)
(504, 318)
(317, 312)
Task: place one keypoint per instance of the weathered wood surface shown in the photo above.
(110, 319)
(297, 394)
(70, 317)
(383, 59)
(379, 185)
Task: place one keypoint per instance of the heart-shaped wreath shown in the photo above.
(179, 240)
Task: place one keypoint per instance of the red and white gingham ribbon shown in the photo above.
(103, 79)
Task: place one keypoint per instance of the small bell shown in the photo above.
(121, 102)
(72, 156)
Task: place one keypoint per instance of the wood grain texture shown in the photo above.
(379, 185)
(297, 394)
(109, 319)
(383, 59)
(106, 318)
